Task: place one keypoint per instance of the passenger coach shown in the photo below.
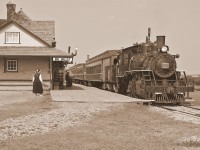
(99, 71)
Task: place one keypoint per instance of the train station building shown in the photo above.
(27, 45)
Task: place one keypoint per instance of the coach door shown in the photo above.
(107, 73)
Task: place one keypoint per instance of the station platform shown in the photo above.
(76, 93)
(84, 94)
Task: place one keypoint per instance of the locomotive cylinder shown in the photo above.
(160, 41)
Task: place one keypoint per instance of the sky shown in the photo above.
(94, 26)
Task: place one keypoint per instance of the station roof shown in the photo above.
(32, 51)
(44, 30)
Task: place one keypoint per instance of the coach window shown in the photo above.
(97, 69)
(12, 65)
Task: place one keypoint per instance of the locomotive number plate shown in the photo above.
(165, 65)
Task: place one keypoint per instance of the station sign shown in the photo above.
(65, 59)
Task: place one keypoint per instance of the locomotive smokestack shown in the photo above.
(160, 41)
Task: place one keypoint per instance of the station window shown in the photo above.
(12, 37)
(12, 65)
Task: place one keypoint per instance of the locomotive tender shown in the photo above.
(144, 70)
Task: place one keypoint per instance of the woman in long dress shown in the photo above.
(37, 83)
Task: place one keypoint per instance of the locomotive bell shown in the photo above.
(160, 41)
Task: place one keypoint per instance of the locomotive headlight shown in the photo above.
(164, 49)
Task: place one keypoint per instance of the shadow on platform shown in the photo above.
(74, 87)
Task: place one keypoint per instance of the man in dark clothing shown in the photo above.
(68, 80)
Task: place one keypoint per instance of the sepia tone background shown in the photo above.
(98, 25)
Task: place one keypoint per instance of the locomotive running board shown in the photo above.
(144, 101)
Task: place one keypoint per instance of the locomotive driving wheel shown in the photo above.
(131, 88)
(140, 89)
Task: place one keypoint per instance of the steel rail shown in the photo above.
(171, 109)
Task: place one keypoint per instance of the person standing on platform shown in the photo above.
(37, 83)
(68, 80)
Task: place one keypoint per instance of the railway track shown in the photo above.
(187, 110)
(193, 107)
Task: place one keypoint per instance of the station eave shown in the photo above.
(33, 51)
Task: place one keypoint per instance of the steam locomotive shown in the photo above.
(145, 70)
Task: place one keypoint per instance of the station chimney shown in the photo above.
(10, 10)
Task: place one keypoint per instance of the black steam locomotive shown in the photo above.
(144, 70)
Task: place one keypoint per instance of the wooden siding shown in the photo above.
(26, 67)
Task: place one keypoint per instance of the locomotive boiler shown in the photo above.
(145, 70)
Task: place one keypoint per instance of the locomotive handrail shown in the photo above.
(154, 78)
(138, 70)
(92, 73)
(134, 71)
(76, 74)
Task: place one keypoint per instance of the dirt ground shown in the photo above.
(126, 127)
(27, 104)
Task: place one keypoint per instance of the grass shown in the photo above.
(196, 96)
